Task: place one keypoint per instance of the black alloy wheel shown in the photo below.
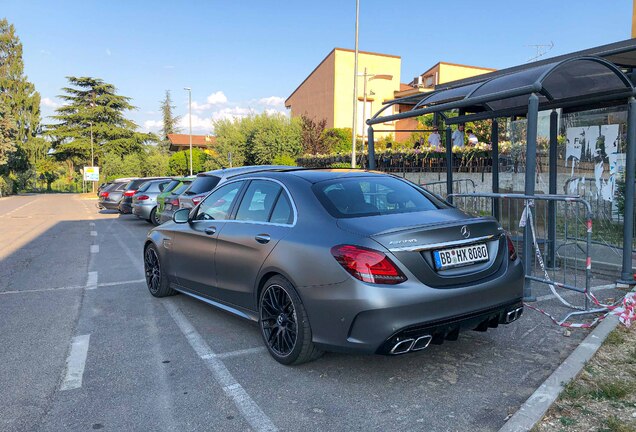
(155, 279)
(284, 324)
(278, 320)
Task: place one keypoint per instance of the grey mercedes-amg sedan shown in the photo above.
(338, 260)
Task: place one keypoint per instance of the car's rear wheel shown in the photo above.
(284, 324)
(153, 219)
(155, 278)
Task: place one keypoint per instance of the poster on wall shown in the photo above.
(599, 145)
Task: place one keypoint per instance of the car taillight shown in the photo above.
(175, 202)
(103, 194)
(367, 265)
(197, 199)
(129, 193)
(512, 253)
(142, 198)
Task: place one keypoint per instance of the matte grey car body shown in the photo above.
(231, 258)
(205, 182)
(144, 201)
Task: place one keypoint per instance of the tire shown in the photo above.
(153, 217)
(156, 279)
(284, 324)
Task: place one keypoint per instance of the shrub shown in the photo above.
(6, 186)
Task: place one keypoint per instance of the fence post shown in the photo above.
(627, 276)
(449, 164)
(494, 138)
(552, 189)
(371, 148)
(531, 166)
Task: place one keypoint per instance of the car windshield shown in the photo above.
(203, 184)
(368, 196)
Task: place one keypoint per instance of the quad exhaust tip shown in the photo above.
(402, 347)
(514, 315)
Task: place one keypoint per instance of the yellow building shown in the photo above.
(327, 92)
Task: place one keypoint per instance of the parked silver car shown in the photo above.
(338, 260)
(205, 182)
(144, 201)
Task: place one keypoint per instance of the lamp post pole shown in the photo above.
(355, 92)
(190, 121)
(92, 154)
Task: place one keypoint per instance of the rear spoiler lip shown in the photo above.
(446, 245)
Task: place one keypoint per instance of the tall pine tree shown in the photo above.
(170, 121)
(92, 106)
(19, 102)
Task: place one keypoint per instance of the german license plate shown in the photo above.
(459, 257)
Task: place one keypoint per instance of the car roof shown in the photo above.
(315, 175)
(231, 172)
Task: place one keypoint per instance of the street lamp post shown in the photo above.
(369, 77)
(92, 154)
(190, 121)
(355, 92)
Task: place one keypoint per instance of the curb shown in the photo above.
(533, 410)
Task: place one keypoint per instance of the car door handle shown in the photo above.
(263, 238)
(210, 230)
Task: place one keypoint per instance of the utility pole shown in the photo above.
(190, 121)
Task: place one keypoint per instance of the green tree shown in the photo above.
(49, 170)
(170, 121)
(19, 102)
(337, 140)
(93, 108)
(179, 163)
(274, 135)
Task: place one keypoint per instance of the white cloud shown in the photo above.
(48, 102)
(199, 124)
(216, 98)
(231, 113)
(272, 111)
(272, 101)
(153, 125)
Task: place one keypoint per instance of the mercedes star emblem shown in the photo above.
(465, 231)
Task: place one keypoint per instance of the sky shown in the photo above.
(248, 56)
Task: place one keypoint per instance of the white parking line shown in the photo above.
(91, 281)
(239, 353)
(93, 233)
(74, 287)
(94, 248)
(75, 363)
(92, 224)
(252, 413)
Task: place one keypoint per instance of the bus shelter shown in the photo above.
(572, 84)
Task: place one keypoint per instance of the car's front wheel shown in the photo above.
(284, 324)
(156, 279)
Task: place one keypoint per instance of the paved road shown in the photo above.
(85, 347)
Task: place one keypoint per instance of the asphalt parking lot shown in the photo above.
(85, 347)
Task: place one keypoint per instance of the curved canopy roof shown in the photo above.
(566, 83)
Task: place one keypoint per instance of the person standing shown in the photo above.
(434, 140)
(458, 136)
(472, 138)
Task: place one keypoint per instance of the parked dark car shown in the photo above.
(338, 260)
(144, 202)
(125, 203)
(205, 182)
(168, 204)
(110, 195)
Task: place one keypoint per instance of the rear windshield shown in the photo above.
(136, 183)
(179, 190)
(144, 187)
(203, 184)
(173, 184)
(369, 196)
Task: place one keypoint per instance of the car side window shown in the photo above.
(217, 205)
(258, 201)
(282, 213)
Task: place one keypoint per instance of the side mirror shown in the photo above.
(181, 216)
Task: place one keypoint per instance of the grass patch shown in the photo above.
(610, 390)
(615, 338)
(567, 421)
(614, 424)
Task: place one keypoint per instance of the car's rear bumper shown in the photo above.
(165, 216)
(353, 316)
(109, 205)
(143, 210)
(125, 207)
